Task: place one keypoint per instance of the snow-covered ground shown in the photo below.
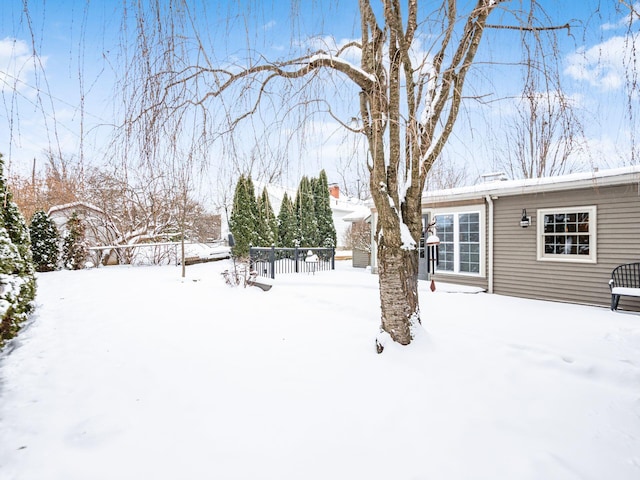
(134, 373)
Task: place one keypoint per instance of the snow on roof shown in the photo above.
(614, 176)
(345, 204)
(361, 212)
(72, 205)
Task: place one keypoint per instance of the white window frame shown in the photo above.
(456, 211)
(568, 258)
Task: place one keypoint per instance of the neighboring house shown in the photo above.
(98, 227)
(342, 207)
(577, 228)
(360, 222)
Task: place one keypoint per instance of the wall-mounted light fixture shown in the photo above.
(525, 221)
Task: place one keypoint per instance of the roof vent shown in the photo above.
(494, 177)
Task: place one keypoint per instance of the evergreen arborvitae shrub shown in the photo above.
(305, 214)
(17, 274)
(243, 219)
(45, 241)
(74, 247)
(287, 224)
(267, 223)
(14, 304)
(322, 203)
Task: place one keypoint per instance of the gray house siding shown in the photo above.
(472, 281)
(360, 258)
(517, 270)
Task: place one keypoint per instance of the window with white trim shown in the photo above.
(460, 242)
(567, 234)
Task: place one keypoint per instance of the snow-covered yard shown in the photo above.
(135, 373)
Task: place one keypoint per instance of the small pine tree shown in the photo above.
(305, 214)
(11, 312)
(17, 274)
(322, 203)
(267, 223)
(74, 247)
(243, 219)
(45, 241)
(287, 224)
(18, 233)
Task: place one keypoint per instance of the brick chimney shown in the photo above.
(334, 190)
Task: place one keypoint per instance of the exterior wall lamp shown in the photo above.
(525, 221)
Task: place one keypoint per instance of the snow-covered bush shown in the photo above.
(17, 274)
(16, 291)
(74, 246)
(45, 241)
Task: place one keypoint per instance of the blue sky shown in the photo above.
(70, 85)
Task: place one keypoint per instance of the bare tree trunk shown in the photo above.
(398, 292)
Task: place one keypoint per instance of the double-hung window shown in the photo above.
(567, 234)
(460, 248)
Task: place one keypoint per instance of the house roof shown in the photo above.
(498, 188)
(345, 204)
(360, 213)
(73, 206)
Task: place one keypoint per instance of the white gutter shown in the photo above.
(490, 245)
(603, 178)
